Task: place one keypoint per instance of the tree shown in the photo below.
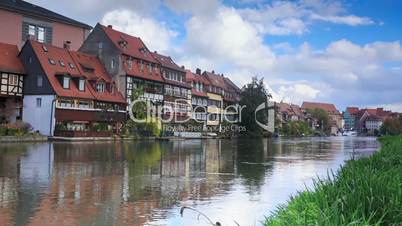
(252, 96)
(323, 119)
(391, 126)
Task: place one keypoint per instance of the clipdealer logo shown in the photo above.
(181, 111)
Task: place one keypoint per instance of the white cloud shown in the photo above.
(156, 35)
(297, 93)
(226, 39)
(351, 20)
(287, 18)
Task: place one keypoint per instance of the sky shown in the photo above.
(342, 52)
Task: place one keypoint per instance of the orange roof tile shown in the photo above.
(9, 61)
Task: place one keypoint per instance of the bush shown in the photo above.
(15, 129)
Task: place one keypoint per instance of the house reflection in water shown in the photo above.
(108, 183)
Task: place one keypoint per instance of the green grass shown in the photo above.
(367, 191)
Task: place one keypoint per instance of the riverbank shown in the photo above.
(23, 138)
(363, 192)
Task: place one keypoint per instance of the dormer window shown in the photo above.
(100, 87)
(113, 63)
(52, 62)
(66, 82)
(62, 63)
(45, 48)
(72, 66)
(81, 84)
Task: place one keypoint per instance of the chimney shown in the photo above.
(156, 52)
(182, 67)
(213, 72)
(198, 71)
(67, 45)
(110, 26)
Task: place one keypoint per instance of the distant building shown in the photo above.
(215, 92)
(12, 76)
(68, 93)
(231, 99)
(199, 96)
(21, 20)
(350, 117)
(335, 116)
(177, 93)
(373, 124)
(375, 117)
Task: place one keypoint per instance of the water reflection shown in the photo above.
(145, 183)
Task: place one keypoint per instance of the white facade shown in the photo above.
(372, 125)
(38, 111)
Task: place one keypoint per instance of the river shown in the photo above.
(147, 182)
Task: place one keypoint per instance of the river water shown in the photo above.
(146, 183)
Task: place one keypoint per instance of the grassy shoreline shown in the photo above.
(367, 191)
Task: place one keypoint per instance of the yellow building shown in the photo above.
(214, 109)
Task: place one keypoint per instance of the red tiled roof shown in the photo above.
(133, 47)
(176, 83)
(191, 77)
(215, 80)
(166, 61)
(324, 106)
(85, 62)
(352, 110)
(135, 72)
(77, 60)
(9, 61)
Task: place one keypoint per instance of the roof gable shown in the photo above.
(166, 61)
(73, 62)
(324, 106)
(129, 45)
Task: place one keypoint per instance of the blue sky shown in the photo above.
(344, 52)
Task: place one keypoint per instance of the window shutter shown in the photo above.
(25, 31)
(48, 35)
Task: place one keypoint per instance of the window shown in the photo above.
(83, 104)
(81, 84)
(39, 81)
(142, 66)
(30, 60)
(13, 80)
(100, 45)
(52, 62)
(38, 102)
(149, 68)
(44, 48)
(66, 82)
(32, 30)
(72, 66)
(100, 87)
(62, 63)
(41, 34)
(113, 63)
(130, 64)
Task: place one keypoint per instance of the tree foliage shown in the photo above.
(296, 128)
(391, 126)
(253, 95)
(323, 119)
